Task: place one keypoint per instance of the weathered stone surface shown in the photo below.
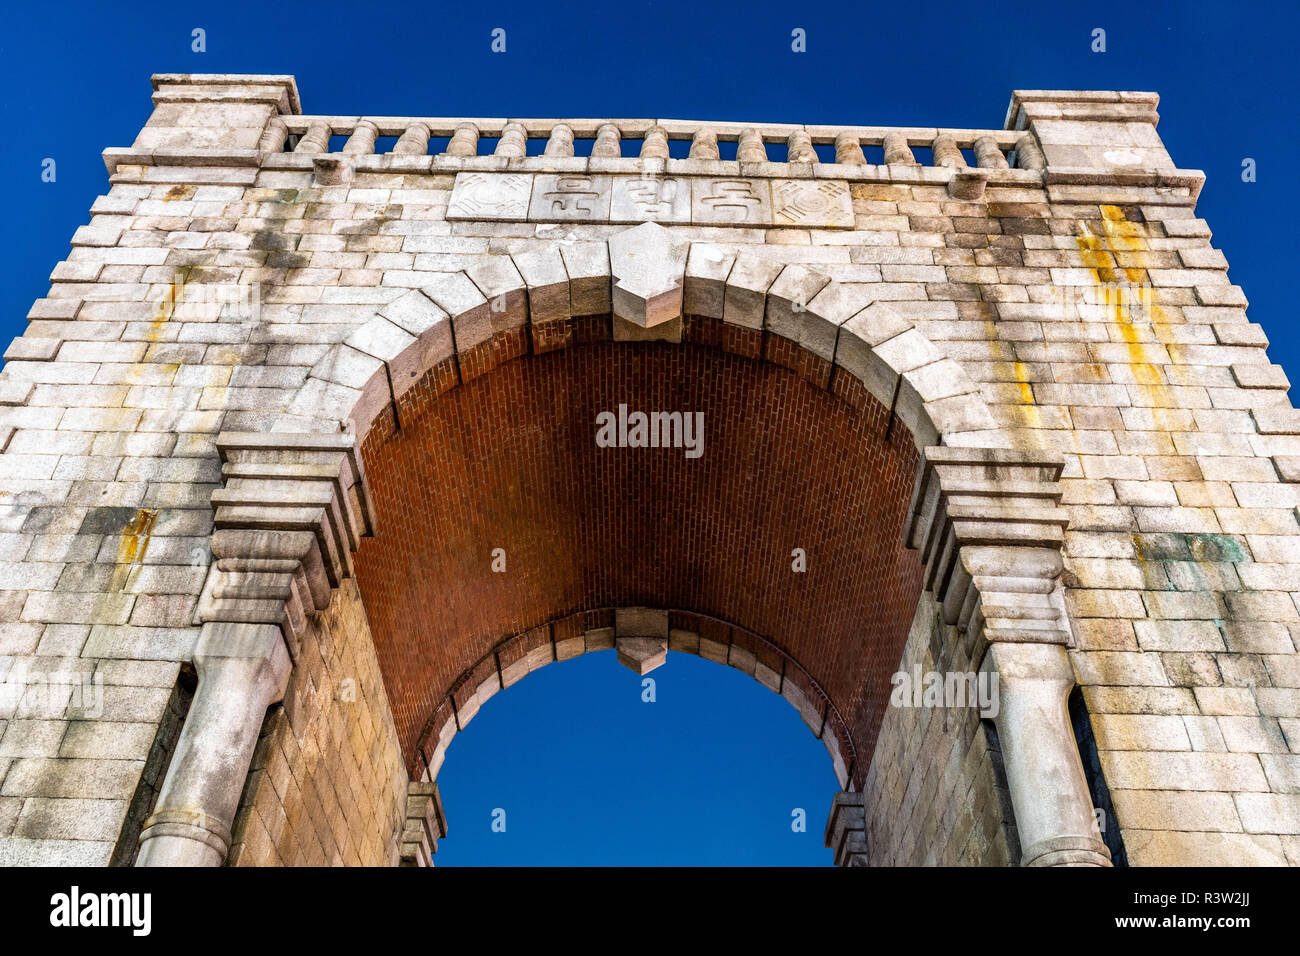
(642, 654)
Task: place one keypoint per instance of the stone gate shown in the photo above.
(303, 462)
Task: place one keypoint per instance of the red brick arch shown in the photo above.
(472, 445)
(596, 630)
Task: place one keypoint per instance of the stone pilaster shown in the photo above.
(990, 528)
(292, 510)
(243, 669)
(1054, 813)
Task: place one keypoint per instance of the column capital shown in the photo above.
(990, 528)
(291, 510)
(425, 824)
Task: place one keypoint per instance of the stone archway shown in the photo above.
(297, 504)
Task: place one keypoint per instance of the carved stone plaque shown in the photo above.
(671, 200)
(490, 196)
(651, 199)
(735, 202)
(570, 197)
(811, 203)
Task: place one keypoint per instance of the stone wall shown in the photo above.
(935, 794)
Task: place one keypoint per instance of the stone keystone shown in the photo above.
(648, 267)
(642, 654)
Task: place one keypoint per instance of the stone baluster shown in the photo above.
(560, 142)
(274, 136)
(750, 148)
(607, 141)
(362, 140)
(988, 154)
(464, 141)
(414, 141)
(799, 148)
(1028, 155)
(848, 150)
(513, 141)
(704, 145)
(316, 139)
(655, 143)
(946, 152)
(897, 152)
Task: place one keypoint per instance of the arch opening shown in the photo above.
(587, 763)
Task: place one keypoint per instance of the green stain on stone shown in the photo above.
(1215, 547)
(1188, 547)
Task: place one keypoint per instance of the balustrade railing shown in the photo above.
(652, 139)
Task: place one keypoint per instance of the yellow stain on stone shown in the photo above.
(1026, 413)
(1098, 250)
(1021, 373)
(174, 295)
(133, 546)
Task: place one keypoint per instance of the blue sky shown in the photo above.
(711, 771)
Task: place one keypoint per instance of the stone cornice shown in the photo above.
(292, 509)
(990, 529)
(280, 90)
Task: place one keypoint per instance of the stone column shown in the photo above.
(990, 529)
(243, 670)
(1054, 813)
